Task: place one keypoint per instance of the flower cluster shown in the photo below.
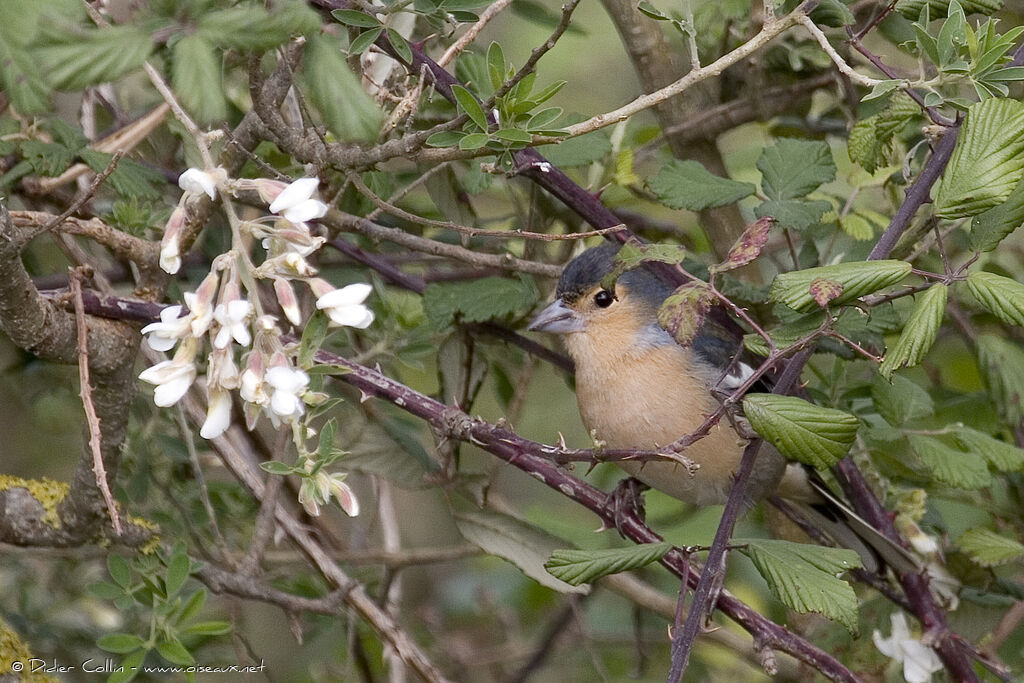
(236, 327)
(919, 661)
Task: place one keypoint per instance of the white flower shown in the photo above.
(309, 498)
(316, 490)
(199, 304)
(288, 385)
(172, 379)
(296, 204)
(919, 660)
(232, 317)
(343, 493)
(194, 181)
(166, 333)
(170, 244)
(218, 414)
(344, 306)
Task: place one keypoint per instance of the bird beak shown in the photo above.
(557, 318)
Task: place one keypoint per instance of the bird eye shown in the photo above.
(604, 298)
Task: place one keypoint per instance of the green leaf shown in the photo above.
(512, 135)
(857, 278)
(78, 59)
(948, 465)
(313, 336)
(277, 467)
(175, 653)
(577, 567)
(919, 333)
(496, 65)
(580, 151)
(474, 141)
(120, 643)
(348, 111)
(801, 431)
(192, 606)
(988, 548)
(325, 444)
(633, 253)
(196, 77)
(21, 77)
(805, 577)
(131, 667)
(130, 179)
(524, 545)
(882, 88)
(470, 106)
(47, 158)
(476, 300)
(989, 228)
(1003, 297)
(256, 29)
(688, 185)
(1004, 456)
(912, 8)
(177, 573)
(447, 138)
(400, 45)
(543, 119)
(351, 17)
(363, 41)
(208, 628)
(797, 214)
(987, 162)
(900, 400)
(1002, 363)
(119, 570)
(793, 168)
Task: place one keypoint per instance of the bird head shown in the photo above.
(628, 314)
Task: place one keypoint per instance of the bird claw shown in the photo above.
(626, 501)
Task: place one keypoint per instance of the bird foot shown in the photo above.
(626, 501)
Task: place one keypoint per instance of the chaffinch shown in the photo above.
(637, 388)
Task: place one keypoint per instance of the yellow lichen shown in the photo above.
(153, 544)
(15, 653)
(49, 492)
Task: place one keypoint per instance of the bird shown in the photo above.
(638, 388)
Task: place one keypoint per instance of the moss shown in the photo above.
(48, 492)
(13, 649)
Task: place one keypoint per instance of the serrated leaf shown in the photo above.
(524, 545)
(1004, 456)
(919, 333)
(794, 168)
(800, 430)
(682, 312)
(21, 77)
(864, 146)
(47, 158)
(634, 253)
(856, 226)
(76, 60)
(577, 567)
(988, 548)
(987, 162)
(476, 300)
(688, 185)
(349, 112)
(989, 228)
(948, 465)
(797, 214)
(175, 653)
(469, 105)
(196, 77)
(254, 28)
(1002, 363)
(130, 179)
(120, 643)
(856, 277)
(805, 577)
(119, 570)
(1001, 296)
(900, 400)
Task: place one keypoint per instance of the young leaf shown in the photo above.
(899, 400)
(856, 277)
(989, 228)
(793, 168)
(577, 567)
(1003, 297)
(277, 467)
(688, 185)
(804, 577)
(349, 112)
(987, 162)
(919, 333)
(468, 104)
(196, 77)
(801, 431)
(522, 544)
(1004, 456)
(192, 606)
(988, 548)
(948, 465)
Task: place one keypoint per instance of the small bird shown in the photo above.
(638, 388)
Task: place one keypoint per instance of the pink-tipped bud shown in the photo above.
(289, 304)
(269, 189)
(170, 245)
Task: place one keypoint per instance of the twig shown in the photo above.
(81, 200)
(836, 58)
(93, 421)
